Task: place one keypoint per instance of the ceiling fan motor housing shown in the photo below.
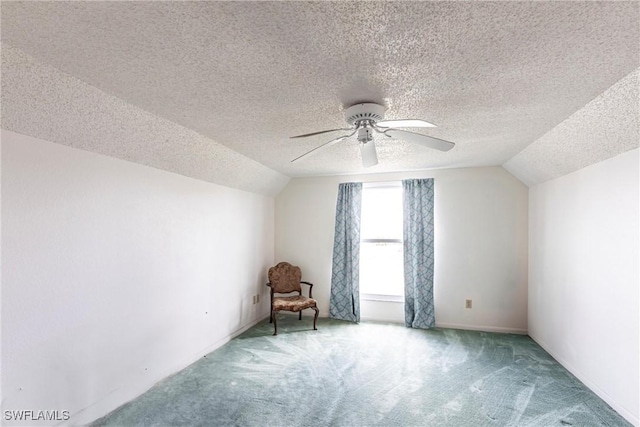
(365, 111)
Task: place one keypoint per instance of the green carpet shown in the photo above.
(369, 374)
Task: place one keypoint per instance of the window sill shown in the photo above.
(385, 298)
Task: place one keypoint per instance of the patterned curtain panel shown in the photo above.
(345, 275)
(418, 253)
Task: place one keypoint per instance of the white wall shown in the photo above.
(116, 275)
(584, 278)
(480, 244)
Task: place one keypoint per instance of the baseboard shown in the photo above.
(633, 419)
(119, 397)
(455, 326)
(482, 328)
(381, 319)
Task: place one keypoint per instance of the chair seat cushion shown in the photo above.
(294, 303)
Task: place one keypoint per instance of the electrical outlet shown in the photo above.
(468, 303)
(254, 299)
(257, 298)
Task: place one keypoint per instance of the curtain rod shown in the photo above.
(394, 183)
(388, 182)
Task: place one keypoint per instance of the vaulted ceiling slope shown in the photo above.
(494, 76)
(39, 100)
(605, 127)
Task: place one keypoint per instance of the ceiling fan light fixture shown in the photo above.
(368, 153)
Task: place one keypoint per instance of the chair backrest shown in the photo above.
(285, 278)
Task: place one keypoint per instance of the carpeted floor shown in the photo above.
(369, 374)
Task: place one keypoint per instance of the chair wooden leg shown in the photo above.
(275, 323)
(300, 315)
(315, 318)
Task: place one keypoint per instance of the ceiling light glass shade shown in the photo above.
(368, 152)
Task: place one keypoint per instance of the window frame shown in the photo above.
(382, 297)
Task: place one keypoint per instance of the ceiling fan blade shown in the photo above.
(417, 138)
(368, 153)
(318, 133)
(326, 144)
(405, 123)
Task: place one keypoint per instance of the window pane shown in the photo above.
(381, 213)
(381, 269)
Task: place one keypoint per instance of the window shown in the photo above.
(381, 250)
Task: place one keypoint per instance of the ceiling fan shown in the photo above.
(367, 118)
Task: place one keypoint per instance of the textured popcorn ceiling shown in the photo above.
(605, 127)
(40, 101)
(494, 77)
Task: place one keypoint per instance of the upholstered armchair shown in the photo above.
(285, 278)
